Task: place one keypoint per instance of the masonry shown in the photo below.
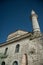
(22, 47)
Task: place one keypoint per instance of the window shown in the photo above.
(3, 63)
(25, 59)
(5, 51)
(17, 48)
(15, 63)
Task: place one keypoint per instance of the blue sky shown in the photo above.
(15, 15)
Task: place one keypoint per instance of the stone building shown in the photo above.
(23, 48)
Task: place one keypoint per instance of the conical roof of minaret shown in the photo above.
(32, 12)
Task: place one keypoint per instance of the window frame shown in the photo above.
(17, 48)
(15, 62)
(6, 49)
(3, 62)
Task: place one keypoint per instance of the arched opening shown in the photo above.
(15, 63)
(17, 48)
(24, 59)
(5, 51)
(3, 63)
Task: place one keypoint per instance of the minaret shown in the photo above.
(35, 24)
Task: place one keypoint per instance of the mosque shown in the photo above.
(22, 47)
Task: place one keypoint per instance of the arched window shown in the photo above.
(17, 48)
(3, 63)
(25, 59)
(15, 63)
(5, 51)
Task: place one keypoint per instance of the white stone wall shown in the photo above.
(26, 47)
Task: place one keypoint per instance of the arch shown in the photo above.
(15, 63)
(17, 48)
(5, 51)
(3, 63)
(24, 59)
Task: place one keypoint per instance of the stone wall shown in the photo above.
(32, 48)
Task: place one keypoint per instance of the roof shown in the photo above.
(16, 34)
(13, 37)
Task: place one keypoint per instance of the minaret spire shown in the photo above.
(35, 24)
